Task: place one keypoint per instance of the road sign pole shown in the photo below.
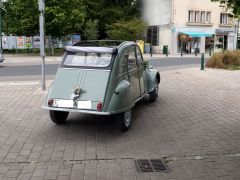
(42, 44)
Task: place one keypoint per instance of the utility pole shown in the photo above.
(1, 49)
(41, 6)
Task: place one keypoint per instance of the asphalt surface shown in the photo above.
(35, 70)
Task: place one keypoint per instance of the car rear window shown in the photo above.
(88, 59)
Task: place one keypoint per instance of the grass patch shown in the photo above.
(225, 60)
(233, 67)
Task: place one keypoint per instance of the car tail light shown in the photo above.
(50, 102)
(99, 106)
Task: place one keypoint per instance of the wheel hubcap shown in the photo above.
(127, 118)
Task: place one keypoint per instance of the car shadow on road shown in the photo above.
(106, 123)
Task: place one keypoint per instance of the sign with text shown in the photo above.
(20, 42)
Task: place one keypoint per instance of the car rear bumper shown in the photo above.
(76, 110)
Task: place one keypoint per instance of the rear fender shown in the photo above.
(152, 75)
(122, 98)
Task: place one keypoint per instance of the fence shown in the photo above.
(24, 42)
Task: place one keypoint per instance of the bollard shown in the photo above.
(202, 61)
(167, 54)
(151, 50)
(210, 52)
(181, 52)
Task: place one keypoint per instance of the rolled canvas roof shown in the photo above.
(89, 49)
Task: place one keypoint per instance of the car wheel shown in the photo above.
(154, 94)
(124, 120)
(58, 117)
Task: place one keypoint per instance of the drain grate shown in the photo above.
(152, 165)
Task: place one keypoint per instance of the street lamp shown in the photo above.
(1, 49)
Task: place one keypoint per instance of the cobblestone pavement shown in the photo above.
(194, 126)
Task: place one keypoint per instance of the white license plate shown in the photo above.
(65, 103)
(84, 104)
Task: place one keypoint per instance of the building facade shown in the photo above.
(189, 26)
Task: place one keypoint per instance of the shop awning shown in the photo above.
(197, 34)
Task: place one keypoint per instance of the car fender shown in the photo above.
(48, 95)
(152, 75)
(122, 98)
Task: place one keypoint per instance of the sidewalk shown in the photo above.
(194, 126)
(23, 58)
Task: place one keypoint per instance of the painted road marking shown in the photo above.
(19, 83)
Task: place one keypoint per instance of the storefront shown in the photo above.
(224, 40)
(190, 42)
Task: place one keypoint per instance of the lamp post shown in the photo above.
(41, 4)
(1, 49)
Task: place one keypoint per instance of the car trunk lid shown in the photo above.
(80, 85)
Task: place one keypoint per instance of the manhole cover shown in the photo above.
(152, 165)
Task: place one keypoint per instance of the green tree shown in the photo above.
(234, 5)
(21, 17)
(64, 17)
(129, 30)
(110, 11)
(91, 30)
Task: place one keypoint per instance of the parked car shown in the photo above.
(101, 80)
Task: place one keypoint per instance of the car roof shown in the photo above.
(104, 43)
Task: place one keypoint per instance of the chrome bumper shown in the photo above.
(76, 110)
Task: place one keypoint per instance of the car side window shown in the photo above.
(123, 62)
(132, 58)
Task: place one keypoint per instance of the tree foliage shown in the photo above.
(91, 30)
(94, 19)
(21, 17)
(64, 17)
(129, 30)
(111, 11)
(234, 5)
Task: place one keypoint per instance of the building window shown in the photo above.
(199, 16)
(190, 16)
(226, 18)
(152, 35)
(208, 17)
(203, 19)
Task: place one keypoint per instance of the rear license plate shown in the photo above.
(84, 104)
(65, 103)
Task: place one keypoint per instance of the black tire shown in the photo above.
(58, 117)
(124, 120)
(154, 94)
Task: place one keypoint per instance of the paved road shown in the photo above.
(17, 71)
(194, 125)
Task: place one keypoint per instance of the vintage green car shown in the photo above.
(101, 80)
